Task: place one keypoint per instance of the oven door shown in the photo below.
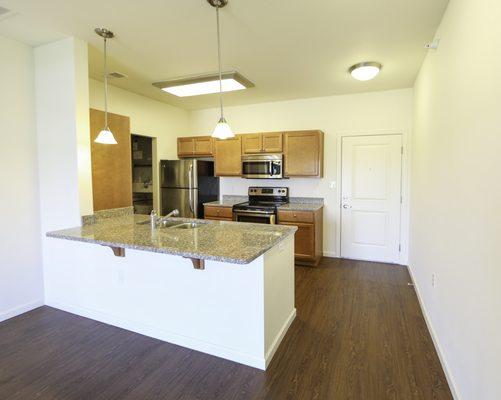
(255, 216)
(262, 166)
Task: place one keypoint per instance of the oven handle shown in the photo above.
(256, 212)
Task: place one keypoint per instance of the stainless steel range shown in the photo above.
(262, 205)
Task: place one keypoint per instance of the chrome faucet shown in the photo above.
(156, 220)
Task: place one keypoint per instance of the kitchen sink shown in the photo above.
(165, 224)
(188, 225)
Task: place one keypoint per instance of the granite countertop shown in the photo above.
(232, 242)
(228, 201)
(301, 207)
(295, 204)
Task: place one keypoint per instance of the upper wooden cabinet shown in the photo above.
(194, 146)
(304, 153)
(228, 156)
(270, 142)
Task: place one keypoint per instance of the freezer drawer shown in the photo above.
(181, 199)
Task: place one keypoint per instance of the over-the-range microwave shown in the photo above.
(262, 166)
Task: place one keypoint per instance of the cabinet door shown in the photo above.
(252, 143)
(228, 156)
(203, 146)
(304, 240)
(303, 153)
(272, 142)
(185, 146)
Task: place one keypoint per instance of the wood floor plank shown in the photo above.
(359, 334)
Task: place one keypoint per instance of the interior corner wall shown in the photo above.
(356, 114)
(61, 116)
(21, 281)
(456, 196)
(148, 117)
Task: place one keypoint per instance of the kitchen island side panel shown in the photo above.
(219, 310)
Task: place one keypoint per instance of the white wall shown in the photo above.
(21, 283)
(368, 113)
(456, 195)
(147, 117)
(61, 81)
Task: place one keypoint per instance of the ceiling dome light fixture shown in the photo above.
(222, 129)
(365, 71)
(105, 136)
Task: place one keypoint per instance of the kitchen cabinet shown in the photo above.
(308, 241)
(304, 154)
(269, 142)
(228, 156)
(218, 213)
(195, 146)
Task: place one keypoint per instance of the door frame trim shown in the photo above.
(405, 189)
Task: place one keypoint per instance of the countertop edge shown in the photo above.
(240, 261)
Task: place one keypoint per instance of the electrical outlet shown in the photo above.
(332, 185)
(121, 276)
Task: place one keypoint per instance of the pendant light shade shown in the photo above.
(105, 136)
(222, 129)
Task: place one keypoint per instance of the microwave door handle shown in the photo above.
(271, 168)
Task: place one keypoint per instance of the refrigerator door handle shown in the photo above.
(190, 188)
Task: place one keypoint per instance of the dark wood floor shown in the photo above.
(359, 334)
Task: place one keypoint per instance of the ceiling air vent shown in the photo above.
(117, 75)
(4, 13)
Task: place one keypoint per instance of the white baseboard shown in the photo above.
(436, 342)
(15, 311)
(330, 254)
(166, 336)
(278, 339)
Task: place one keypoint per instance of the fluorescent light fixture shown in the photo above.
(204, 84)
(365, 71)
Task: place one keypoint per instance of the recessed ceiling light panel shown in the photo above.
(365, 71)
(204, 84)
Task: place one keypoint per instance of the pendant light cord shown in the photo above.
(105, 88)
(219, 61)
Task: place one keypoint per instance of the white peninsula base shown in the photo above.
(237, 312)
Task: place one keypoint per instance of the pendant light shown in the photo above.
(105, 136)
(222, 129)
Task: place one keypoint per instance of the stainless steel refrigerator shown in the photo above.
(186, 185)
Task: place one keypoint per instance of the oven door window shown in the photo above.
(256, 168)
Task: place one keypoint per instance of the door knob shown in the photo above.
(346, 206)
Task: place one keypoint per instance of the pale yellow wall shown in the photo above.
(456, 194)
(367, 113)
(147, 117)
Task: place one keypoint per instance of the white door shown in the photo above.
(371, 197)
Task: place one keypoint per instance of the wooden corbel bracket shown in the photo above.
(118, 251)
(197, 263)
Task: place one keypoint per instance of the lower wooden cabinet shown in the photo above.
(308, 242)
(218, 213)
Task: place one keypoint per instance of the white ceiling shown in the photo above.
(288, 48)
